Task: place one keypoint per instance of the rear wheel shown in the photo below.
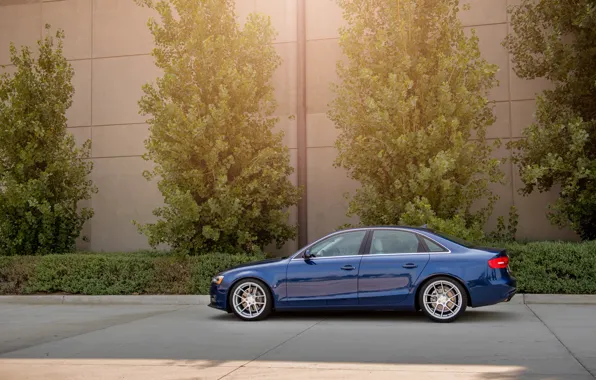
(250, 300)
(443, 299)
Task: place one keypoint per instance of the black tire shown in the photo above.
(262, 288)
(461, 297)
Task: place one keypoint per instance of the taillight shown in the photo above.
(499, 262)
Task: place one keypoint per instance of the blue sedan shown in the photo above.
(375, 268)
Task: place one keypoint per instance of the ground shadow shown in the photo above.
(471, 316)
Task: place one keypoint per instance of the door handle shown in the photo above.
(410, 266)
(347, 267)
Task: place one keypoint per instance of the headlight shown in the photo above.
(217, 280)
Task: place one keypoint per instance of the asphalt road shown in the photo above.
(509, 341)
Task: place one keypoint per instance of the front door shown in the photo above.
(391, 267)
(330, 276)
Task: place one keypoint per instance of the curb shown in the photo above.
(518, 299)
(108, 300)
(553, 299)
(560, 299)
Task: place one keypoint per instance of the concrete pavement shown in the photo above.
(177, 342)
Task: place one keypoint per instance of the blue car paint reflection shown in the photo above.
(363, 280)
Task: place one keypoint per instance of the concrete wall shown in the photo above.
(109, 47)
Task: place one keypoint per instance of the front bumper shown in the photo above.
(218, 297)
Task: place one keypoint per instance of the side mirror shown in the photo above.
(307, 255)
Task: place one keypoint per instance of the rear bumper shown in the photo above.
(511, 294)
(507, 288)
(494, 291)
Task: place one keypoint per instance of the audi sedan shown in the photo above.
(375, 268)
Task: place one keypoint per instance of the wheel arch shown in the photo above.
(233, 284)
(432, 277)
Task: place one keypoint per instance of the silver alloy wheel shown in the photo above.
(249, 300)
(442, 299)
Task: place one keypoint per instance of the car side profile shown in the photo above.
(374, 268)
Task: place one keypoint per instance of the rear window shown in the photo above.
(455, 240)
(432, 246)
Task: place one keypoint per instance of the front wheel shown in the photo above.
(443, 299)
(250, 300)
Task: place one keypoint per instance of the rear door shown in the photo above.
(392, 264)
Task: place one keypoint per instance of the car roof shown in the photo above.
(423, 228)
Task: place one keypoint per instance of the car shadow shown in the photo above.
(470, 316)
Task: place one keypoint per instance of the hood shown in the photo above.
(256, 263)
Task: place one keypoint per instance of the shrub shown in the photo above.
(171, 275)
(43, 175)
(554, 267)
(15, 272)
(412, 113)
(114, 273)
(222, 169)
(91, 274)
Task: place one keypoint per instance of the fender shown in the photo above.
(273, 281)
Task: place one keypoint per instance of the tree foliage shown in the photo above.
(412, 113)
(221, 167)
(556, 40)
(43, 175)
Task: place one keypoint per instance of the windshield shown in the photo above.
(456, 240)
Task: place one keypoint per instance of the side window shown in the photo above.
(395, 241)
(346, 244)
(432, 246)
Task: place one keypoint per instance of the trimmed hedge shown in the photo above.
(118, 273)
(554, 267)
(541, 267)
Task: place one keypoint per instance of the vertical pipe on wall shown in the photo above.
(301, 124)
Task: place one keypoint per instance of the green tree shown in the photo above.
(556, 40)
(412, 113)
(222, 169)
(43, 175)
